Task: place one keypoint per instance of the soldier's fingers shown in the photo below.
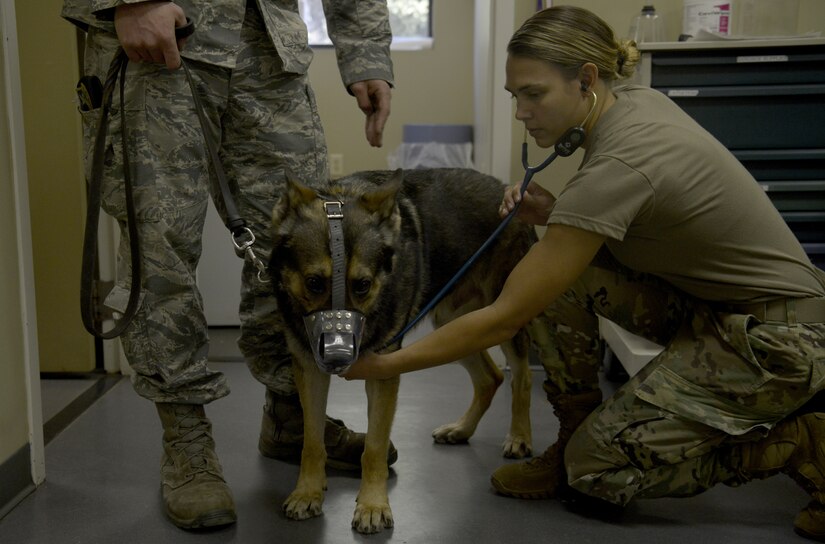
(171, 56)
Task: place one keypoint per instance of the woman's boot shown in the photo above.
(795, 446)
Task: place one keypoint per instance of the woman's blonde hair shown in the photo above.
(569, 37)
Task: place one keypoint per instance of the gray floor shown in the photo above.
(57, 394)
(102, 481)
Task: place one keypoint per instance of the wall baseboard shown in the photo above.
(15, 479)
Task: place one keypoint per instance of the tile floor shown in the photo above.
(102, 481)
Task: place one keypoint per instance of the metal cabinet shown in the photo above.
(765, 101)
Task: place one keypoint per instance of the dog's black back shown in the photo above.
(405, 235)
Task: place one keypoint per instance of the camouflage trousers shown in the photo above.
(266, 123)
(723, 378)
(566, 335)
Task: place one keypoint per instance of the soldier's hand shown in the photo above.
(373, 97)
(535, 203)
(146, 31)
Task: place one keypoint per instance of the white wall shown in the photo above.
(431, 86)
(20, 414)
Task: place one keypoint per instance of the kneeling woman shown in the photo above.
(663, 232)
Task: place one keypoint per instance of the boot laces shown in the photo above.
(548, 459)
(193, 441)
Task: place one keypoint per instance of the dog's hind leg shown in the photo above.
(307, 499)
(486, 378)
(519, 441)
(372, 511)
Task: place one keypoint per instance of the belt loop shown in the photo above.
(790, 305)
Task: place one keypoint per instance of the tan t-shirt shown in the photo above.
(675, 203)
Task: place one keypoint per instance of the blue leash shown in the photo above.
(528, 175)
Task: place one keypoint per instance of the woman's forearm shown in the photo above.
(468, 334)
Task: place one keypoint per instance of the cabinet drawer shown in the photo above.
(783, 164)
(758, 116)
(748, 66)
(796, 195)
(816, 252)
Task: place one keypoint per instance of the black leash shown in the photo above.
(242, 237)
(89, 266)
(528, 175)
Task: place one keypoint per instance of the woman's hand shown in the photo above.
(370, 366)
(535, 203)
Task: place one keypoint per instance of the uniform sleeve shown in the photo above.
(97, 13)
(606, 196)
(105, 9)
(360, 31)
(78, 12)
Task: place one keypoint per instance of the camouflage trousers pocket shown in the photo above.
(670, 391)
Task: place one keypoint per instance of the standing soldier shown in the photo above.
(249, 59)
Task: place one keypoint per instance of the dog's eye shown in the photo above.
(361, 287)
(315, 285)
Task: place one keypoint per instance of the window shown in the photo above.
(410, 21)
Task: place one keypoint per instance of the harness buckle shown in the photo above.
(334, 209)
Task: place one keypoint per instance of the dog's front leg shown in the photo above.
(372, 512)
(486, 378)
(308, 497)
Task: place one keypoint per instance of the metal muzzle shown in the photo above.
(335, 337)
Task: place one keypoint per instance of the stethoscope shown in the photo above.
(569, 142)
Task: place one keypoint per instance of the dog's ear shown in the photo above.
(295, 195)
(382, 200)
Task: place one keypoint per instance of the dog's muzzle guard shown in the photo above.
(335, 335)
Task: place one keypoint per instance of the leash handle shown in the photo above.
(242, 236)
(186, 30)
(117, 68)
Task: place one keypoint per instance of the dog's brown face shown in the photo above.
(302, 267)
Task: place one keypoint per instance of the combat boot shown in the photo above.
(795, 446)
(195, 494)
(544, 477)
(282, 435)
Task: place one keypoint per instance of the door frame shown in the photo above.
(31, 360)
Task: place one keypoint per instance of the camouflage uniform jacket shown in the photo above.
(359, 29)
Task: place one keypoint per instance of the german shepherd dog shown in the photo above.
(403, 235)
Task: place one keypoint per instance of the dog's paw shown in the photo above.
(451, 433)
(303, 505)
(372, 518)
(516, 447)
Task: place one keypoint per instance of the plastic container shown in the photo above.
(708, 15)
(741, 18)
(647, 26)
(434, 146)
